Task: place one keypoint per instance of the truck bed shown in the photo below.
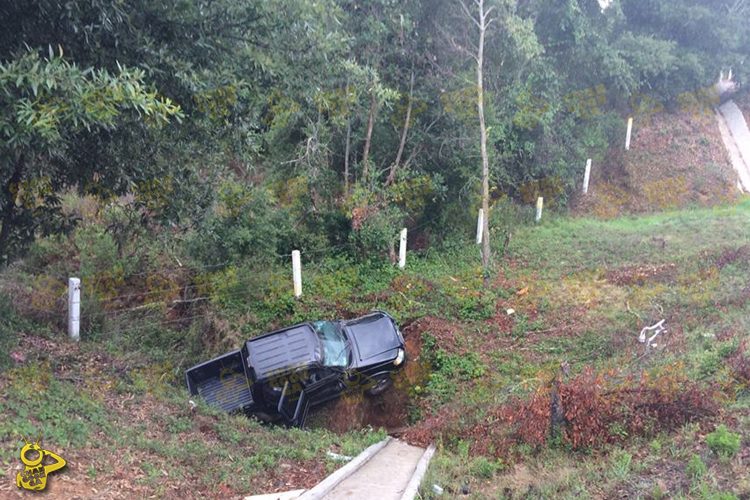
(222, 383)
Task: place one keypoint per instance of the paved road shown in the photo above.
(384, 477)
(736, 137)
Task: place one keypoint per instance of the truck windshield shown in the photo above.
(335, 348)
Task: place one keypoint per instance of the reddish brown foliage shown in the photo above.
(598, 408)
(640, 274)
(740, 364)
(443, 330)
(732, 255)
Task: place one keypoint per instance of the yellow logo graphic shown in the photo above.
(34, 475)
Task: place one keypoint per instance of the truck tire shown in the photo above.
(381, 384)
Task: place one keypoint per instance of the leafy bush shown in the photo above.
(476, 306)
(375, 231)
(244, 225)
(724, 443)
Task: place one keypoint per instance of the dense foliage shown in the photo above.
(329, 123)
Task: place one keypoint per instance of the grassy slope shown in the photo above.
(582, 275)
(571, 282)
(677, 159)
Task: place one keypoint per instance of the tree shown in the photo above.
(45, 106)
(482, 22)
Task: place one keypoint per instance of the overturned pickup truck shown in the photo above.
(279, 376)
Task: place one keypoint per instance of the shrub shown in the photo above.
(9, 324)
(485, 468)
(597, 408)
(740, 365)
(375, 231)
(724, 443)
(696, 468)
(244, 225)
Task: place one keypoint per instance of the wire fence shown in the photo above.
(171, 292)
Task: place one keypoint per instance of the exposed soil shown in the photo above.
(676, 160)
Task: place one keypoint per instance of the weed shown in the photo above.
(448, 369)
(485, 468)
(521, 326)
(64, 415)
(621, 464)
(705, 492)
(655, 446)
(724, 443)
(696, 468)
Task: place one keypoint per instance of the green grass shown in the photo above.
(563, 244)
(38, 404)
(566, 262)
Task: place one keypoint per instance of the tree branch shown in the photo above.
(469, 14)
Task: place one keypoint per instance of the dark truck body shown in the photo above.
(282, 374)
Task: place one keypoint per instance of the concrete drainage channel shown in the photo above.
(388, 470)
(736, 136)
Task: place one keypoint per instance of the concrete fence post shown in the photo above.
(587, 177)
(539, 207)
(480, 226)
(629, 134)
(297, 273)
(402, 250)
(74, 309)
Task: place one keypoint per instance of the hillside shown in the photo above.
(478, 380)
(676, 160)
(179, 178)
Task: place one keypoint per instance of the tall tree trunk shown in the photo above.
(482, 24)
(404, 134)
(368, 138)
(347, 150)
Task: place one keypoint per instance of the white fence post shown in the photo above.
(297, 272)
(480, 226)
(587, 177)
(539, 207)
(74, 308)
(629, 134)
(402, 250)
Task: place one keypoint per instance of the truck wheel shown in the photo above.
(380, 385)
